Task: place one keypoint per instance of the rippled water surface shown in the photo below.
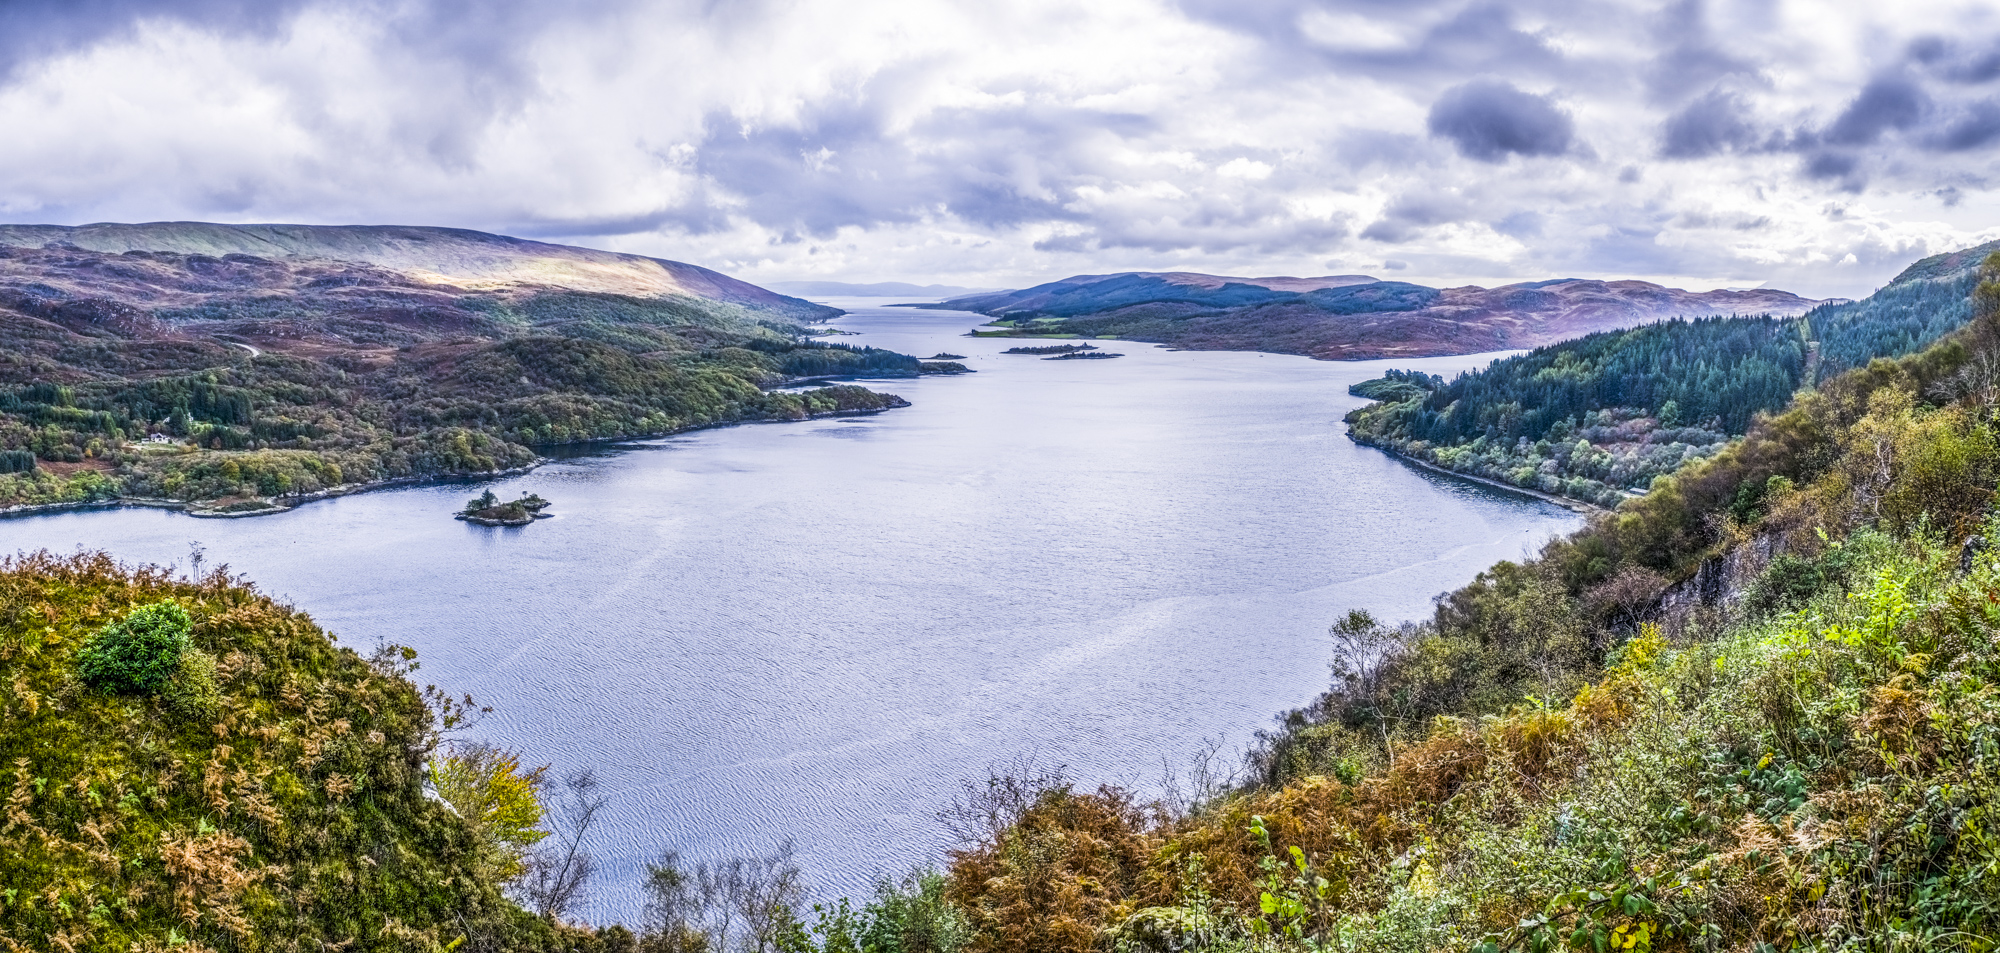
(814, 630)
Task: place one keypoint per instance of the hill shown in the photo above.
(1347, 317)
(269, 796)
(1603, 415)
(455, 257)
(346, 356)
(1753, 710)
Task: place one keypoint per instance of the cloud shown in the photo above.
(32, 30)
(1694, 59)
(1490, 121)
(1713, 124)
(1955, 61)
(1887, 102)
(1409, 215)
(983, 144)
(1978, 128)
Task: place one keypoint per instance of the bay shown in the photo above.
(816, 630)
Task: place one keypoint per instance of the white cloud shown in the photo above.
(991, 144)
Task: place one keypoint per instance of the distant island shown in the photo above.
(943, 356)
(487, 510)
(240, 369)
(1051, 349)
(1084, 356)
(1346, 317)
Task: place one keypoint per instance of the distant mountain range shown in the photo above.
(879, 289)
(1348, 317)
(473, 261)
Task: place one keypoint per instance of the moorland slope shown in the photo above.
(255, 365)
(1347, 317)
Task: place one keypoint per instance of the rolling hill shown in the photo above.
(1602, 416)
(1348, 317)
(248, 366)
(454, 257)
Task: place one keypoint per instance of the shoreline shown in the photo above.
(286, 504)
(1576, 506)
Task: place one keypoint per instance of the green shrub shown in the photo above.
(193, 693)
(138, 654)
(914, 916)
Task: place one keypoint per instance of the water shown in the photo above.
(815, 630)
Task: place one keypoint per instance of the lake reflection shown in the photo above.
(815, 630)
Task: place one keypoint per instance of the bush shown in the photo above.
(194, 694)
(138, 654)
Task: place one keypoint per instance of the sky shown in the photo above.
(1815, 147)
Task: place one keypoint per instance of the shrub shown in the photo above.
(193, 693)
(498, 798)
(914, 916)
(138, 654)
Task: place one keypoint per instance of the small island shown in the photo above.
(1092, 355)
(945, 356)
(1051, 349)
(487, 510)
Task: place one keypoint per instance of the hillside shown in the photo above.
(244, 382)
(1347, 317)
(1605, 414)
(269, 797)
(1756, 709)
(456, 257)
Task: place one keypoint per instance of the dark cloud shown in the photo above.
(1490, 121)
(1887, 102)
(1833, 165)
(1980, 126)
(32, 30)
(1957, 61)
(1521, 225)
(1407, 216)
(1712, 124)
(1694, 60)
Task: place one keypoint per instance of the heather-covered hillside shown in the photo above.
(1347, 317)
(198, 371)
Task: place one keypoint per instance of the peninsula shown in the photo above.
(239, 369)
(1346, 317)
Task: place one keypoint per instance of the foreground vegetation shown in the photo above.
(1605, 414)
(1757, 709)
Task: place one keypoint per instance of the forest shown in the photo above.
(284, 379)
(1602, 416)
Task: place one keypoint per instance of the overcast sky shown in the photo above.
(1816, 147)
